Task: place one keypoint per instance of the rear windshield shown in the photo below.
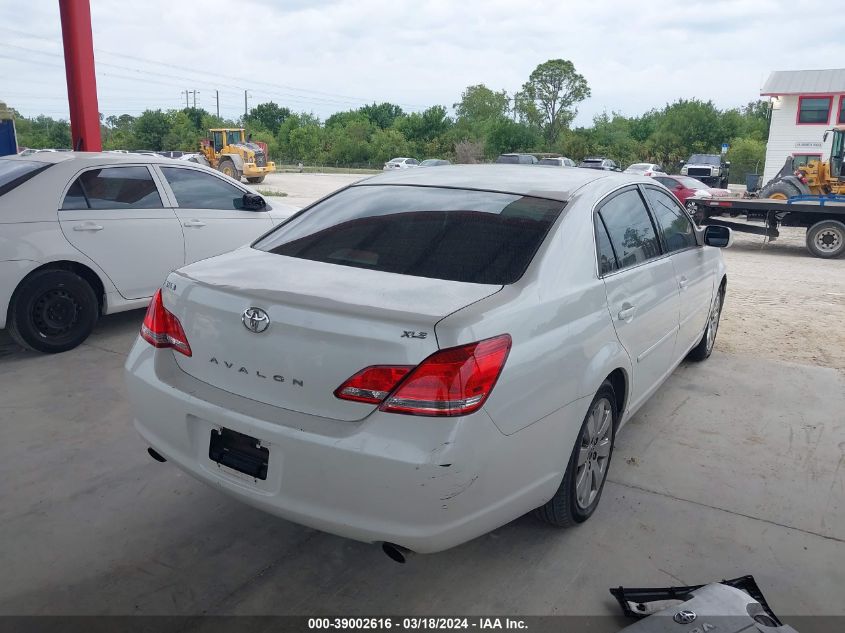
(550, 161)
(16, 172)
(455, 234)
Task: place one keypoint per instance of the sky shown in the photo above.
(323, 56)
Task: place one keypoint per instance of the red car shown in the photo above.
(685, 187)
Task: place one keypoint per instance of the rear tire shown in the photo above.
(53, 311)
(705, 346)
(255, 180)
(580, 491)
(826, 239)
(780, 191)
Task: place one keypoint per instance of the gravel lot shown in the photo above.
(783, 303)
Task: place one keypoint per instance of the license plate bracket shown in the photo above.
(239, 452)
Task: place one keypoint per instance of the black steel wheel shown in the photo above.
(53, 311)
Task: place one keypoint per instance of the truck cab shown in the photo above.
(710, 169)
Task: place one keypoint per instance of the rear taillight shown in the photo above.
(162, 329)
(454, 381)
(372, 384)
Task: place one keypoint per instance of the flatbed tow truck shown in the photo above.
(822, 215)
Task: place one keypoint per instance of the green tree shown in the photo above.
(151, 128)
(553, 89)
(479, 103)
(747, 156)
(268, 115)
(383, 115)
(504, 135)
(387, 144)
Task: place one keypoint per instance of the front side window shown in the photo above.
(462, 235)
(814, 109)
(233, 137)
(197, 190)
(113, 188)
(675, 226)
(630, 229)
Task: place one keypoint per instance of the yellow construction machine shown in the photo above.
(817, 178)
(229, 151)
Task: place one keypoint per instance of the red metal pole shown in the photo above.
(81, 81)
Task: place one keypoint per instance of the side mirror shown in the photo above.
(727, 163)
(253, 202)
(718, 236)
(682, 163)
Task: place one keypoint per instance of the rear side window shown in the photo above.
(455, 234)
(630, 229)
(113, 188)
(675, 227)
(605, 254)
(16, 172)
(197, 190)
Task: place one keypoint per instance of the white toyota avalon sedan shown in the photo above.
(428, 354)
(85, 234)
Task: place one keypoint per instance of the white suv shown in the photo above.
(84, 234)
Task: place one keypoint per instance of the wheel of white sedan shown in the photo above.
(53, 311)
(578, 495)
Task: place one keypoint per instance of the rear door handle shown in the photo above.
(627, 312)
(88, 226)
(195, 223)
(683, 283)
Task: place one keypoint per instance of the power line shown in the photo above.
(342, 98)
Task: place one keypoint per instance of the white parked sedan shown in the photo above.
(401, 163)
(429, 354)
(84, 234)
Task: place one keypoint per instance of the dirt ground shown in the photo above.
(782, 303)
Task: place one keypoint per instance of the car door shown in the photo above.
(115, 215)
(211, 212)
(693, 268)
(642, 291)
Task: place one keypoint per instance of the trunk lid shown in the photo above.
(326, 322)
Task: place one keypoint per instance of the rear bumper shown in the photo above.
(426, 484)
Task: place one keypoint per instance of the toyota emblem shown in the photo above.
(255, 320)
(685, 617)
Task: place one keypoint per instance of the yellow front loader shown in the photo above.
(228, 150)
(818, 178)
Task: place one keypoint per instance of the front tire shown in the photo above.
(780, 191)
(255, 180)
(826, 239)
(705, 346)
(53, 311)
(227, 166)
(578, 495)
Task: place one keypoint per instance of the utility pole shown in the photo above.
(217, 97)
(245, 105)
(187, 92)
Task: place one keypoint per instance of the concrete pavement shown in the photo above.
(735, 467)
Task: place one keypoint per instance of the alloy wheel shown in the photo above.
(594, 453)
